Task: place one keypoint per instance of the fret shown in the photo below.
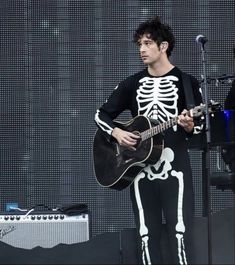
(158, 129)
(195, 112)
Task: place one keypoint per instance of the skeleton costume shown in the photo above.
(166, 187)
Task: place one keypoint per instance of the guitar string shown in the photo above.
(170, 123)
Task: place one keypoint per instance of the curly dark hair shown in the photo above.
(157, 31)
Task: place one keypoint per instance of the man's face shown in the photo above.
(149, 51)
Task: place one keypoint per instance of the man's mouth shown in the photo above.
(144, 57)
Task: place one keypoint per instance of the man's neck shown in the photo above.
(160, 68)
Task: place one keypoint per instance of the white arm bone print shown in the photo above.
(157, 97)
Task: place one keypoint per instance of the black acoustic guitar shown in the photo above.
(116, 166)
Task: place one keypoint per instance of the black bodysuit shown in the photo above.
(165, 187)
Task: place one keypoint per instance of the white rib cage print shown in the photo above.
(157, 97)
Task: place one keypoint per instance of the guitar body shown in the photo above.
(116, 166)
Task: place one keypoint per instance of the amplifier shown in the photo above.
(43, 229)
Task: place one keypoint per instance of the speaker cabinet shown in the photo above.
(43, 229)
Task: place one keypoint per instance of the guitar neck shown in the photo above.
(159, 128)
(162, 127)
(194, 112)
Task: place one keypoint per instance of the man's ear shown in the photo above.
(164, 46)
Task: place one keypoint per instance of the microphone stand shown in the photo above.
(207, 155)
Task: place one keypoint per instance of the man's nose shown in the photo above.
(142, 49)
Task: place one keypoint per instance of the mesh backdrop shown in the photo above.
(59, 60)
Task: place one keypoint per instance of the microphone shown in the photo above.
(224, 79)
(200, 39)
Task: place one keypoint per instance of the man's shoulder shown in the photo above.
(138, 74)
(188, 75)
(135, 77)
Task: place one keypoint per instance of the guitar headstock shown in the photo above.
(200, 110)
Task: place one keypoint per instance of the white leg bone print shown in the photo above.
(161, 170)
(143, 231)
(180, 228)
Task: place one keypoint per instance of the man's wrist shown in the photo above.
(189, 128)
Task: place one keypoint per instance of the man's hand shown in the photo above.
(185, 121)
(125, 138)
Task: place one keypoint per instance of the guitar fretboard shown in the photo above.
(158, 128)
(195, 112)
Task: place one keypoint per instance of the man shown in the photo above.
(165, 187)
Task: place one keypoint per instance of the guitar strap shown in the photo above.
(188, 90)
(198, 141)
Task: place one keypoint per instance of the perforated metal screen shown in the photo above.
(59, 60)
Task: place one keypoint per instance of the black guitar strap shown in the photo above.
(188, 90)
(197, 142)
